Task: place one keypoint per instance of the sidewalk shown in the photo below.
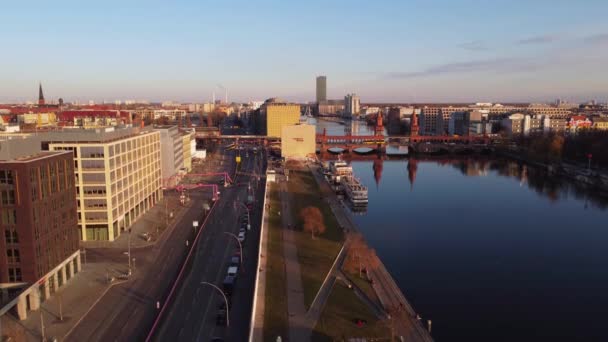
(81, 293)
(154, 223)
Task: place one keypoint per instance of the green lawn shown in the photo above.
(337, 320)
(275, 306)
(316, 256)
(364, 285)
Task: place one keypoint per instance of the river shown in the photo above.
(490, 249)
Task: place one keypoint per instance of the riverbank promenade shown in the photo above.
(395, 306)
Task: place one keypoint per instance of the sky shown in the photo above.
(385, 51)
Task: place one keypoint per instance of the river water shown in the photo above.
(489, 249)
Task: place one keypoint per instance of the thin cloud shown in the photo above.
(475, 45)
(537, 40)
(600, 38)
(490, 65)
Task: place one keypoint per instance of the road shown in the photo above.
(192, 314)
(127, 311)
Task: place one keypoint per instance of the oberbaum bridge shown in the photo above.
(371, 144)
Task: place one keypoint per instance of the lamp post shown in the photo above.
(225, 300)
(240, 246)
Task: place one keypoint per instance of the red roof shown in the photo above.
(69, 115)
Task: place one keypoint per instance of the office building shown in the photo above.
(352, 105)
(321, 88)
(172, 154)
(187, 140)
(39, 247)
(298, 141)
(118, 176)
(330, 107)
(274, 114)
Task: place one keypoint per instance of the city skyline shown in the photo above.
(384, 51)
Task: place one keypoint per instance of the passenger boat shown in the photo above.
(354, 190)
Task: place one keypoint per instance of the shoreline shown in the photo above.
(385, 287)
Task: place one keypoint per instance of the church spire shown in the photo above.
(40, 95)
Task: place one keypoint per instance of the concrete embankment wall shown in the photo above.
(256, 326)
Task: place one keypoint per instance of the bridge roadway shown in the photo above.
(192, 314)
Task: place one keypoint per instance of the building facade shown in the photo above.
(321, 88)
(330, 107)
(117, 176)
(298, 141)
(187, 140)
(172, 154)
(352, 105)
(277, 115)
(39, 223)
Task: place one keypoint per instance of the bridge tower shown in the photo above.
(379, 129)
(414, 126)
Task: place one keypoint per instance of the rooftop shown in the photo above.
(94, 135)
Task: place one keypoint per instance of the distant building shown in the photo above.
(118, 176)
(578, 122)
(171, 154)
(352, 105)
(40, 250)
(321, 88)
(600, 123)
(298, 141)
(40, 95)
(274, 114)
(330, 107)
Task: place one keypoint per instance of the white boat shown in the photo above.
(339, 169)
(354, 190)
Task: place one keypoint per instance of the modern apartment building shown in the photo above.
(321, 88)
(117, 176)
(39, 225)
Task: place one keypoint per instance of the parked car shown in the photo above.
(242, 237)
(220, 318)
(235, 261)
(228, 285)
(232, 271)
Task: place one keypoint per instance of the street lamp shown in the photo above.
(225, 300)
(240, 246)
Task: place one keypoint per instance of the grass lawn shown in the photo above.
(316, 256)
(275, 306)
(337, 320)
(364, 285)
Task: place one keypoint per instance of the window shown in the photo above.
(9, 216)
(11, 236)
(8, 197)
(14, 275)
(13, 256)
(6, 177)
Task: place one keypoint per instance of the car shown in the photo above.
(232, 271)
(241, 237)
(228, 285)
(242, 230)
(235, 261)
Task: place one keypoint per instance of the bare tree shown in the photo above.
(313, 220)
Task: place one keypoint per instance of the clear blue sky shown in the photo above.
(403, 50)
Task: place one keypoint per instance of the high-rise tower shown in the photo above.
(321, 88)
(40, 95)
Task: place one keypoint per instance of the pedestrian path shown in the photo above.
(298, 329)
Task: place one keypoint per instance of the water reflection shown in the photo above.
(552, 187)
